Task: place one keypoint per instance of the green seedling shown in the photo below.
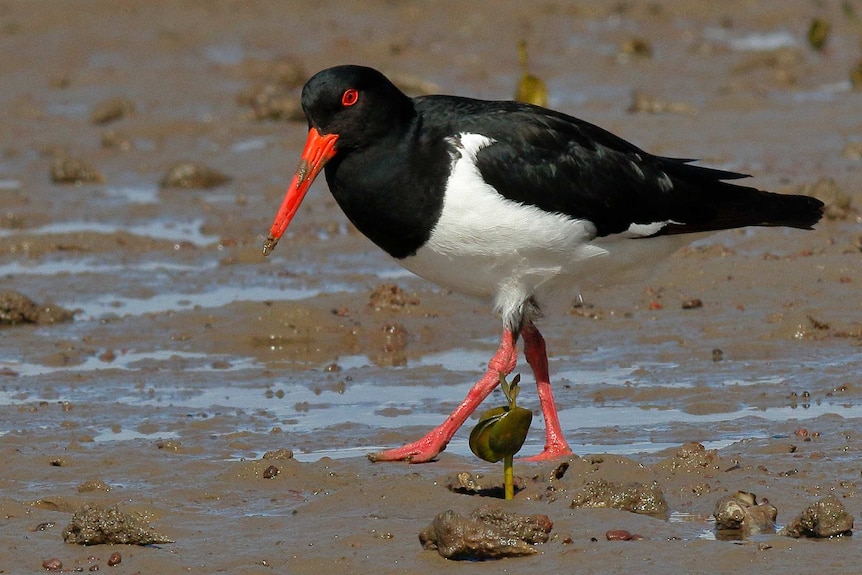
(501, 433)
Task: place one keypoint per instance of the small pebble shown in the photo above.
(111, 109)
(636, 47)
(270, 472)
(692, 304)
(272, 102)
(52, 564)
(818, 33)
(111, 139)
(115, 559)
(44, 526)
(169, 444)
(74, 171)
(191, 175)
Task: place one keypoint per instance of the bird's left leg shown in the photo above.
(537, 357)
(427, 448)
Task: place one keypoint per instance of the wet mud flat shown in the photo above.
(154, 366)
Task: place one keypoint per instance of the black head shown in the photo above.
(357, 103)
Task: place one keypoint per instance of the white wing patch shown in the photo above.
(476, 219)
(646, 230)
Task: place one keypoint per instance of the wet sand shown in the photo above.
(191, 355)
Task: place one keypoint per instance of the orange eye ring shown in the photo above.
(350, 97)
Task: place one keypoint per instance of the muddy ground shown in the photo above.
(190, 355)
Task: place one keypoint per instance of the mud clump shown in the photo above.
(780, 67)
(839, 203)
(280, 453)
(488, 533)
(691, 456)
(18, 309)
(113, 140)
(65, 170)
(272, 102)
(390, 297)
(641, 498)
(856, 76)
(391, 340)
(52, 564)
(635, 47)
(825, 518)
(622, 535)
(192, 175)
(286, 71)
(643, 103)
(389, 343)
(94, 525)
(111, 110)
(529, 528)
(739, 515)
(852, 151)
(274, 96)
(92, 485)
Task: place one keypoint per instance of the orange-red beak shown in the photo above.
(318, 150)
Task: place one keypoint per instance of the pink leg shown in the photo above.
(435, 441)
(537, 357)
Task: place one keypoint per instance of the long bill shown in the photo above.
(318, 150)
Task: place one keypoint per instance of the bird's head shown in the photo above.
(348, 107)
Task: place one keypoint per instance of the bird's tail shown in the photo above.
(713, 204)
(771, 209)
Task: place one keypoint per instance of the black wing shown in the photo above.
(562, 164)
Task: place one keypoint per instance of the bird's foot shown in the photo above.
(421, 451)
(552, 451)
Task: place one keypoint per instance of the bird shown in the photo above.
(508, 202)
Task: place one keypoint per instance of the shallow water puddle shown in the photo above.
(141, 194)
(93, 266)
(375, 400)
(136, 361)
(159, 228)
(167, 301)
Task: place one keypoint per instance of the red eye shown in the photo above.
(350, 97)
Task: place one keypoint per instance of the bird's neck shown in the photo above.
(392, 190)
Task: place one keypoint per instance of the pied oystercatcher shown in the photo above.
(509, 202)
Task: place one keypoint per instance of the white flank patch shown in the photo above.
(486, 245)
